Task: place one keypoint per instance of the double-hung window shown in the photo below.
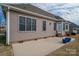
(66, 26)
(44, 25)
(31, 24)
(21, 23)
(27, 24)
(55, 25)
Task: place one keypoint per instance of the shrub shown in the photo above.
(2, 39)
(73, 33)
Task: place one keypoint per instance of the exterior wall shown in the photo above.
(77, 31)
(70, 28)
(16, 35)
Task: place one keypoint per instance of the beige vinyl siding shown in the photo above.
(17, 35)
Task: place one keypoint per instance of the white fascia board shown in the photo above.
(29, 12)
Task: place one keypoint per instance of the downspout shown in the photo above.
(62, 27)
(8, 26)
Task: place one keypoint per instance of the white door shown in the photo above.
(59, 27)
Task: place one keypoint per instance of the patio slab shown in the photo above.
(40, 47)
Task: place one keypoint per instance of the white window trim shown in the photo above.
(25, 23)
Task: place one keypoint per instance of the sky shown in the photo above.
(68, 11)
(2, 19)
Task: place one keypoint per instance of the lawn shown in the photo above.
(71, 49)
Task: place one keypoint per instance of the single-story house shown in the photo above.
(77, 30)
(26, 22)
(62, 27)
(74, 28)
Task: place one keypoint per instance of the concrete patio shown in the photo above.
(38, 47)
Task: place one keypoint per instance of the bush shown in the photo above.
(2, 39)
(73, 33)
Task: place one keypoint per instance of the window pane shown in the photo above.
(55, 26)
(44, 25)
(28, 27)
(28, 21)
(33, 25)
(21, 23)
(66, 26)
(21, 27)
(28, 24)
(63, 26)
(22, 20)
(33, 21)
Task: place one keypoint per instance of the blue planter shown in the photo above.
(66, 40)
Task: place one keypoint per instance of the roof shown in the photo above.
(32, 8)
(58, 17)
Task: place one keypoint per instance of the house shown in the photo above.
(77, 30)
(27, 22)
(62, 26)
(74, 28)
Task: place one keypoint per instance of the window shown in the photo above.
(27, 24)
(44, 25)
(55, 26)
(31, 24)
(63, 26)
(66, 27)
(22, 24)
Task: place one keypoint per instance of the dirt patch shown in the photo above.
(5, 50)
